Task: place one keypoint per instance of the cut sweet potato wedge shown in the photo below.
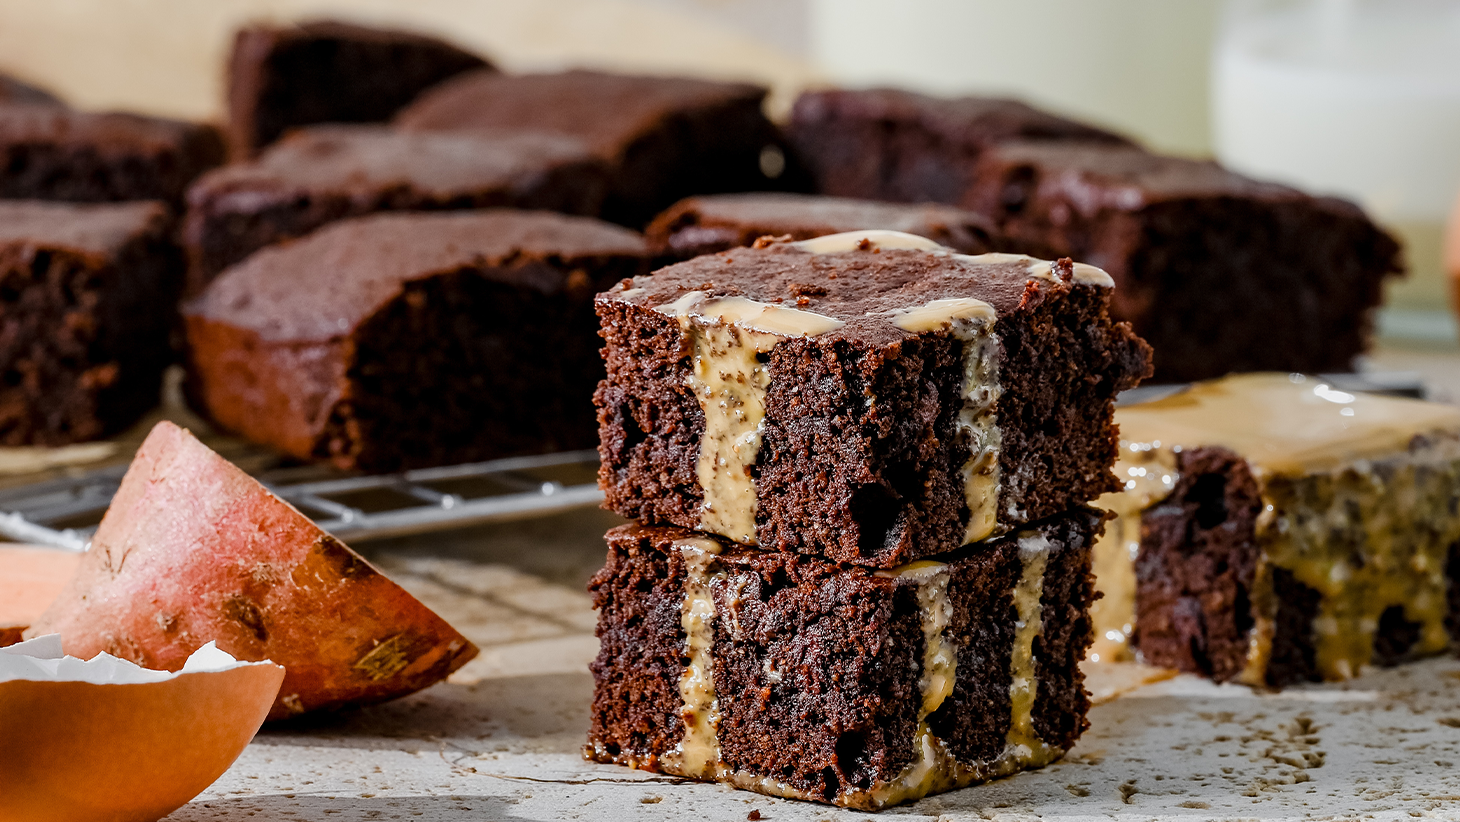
(192, 549)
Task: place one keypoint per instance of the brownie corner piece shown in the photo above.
(868, 397)
(91, 296)
(411, 339)
(323, 71)
(798, 677)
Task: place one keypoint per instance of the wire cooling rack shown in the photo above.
(63, 513)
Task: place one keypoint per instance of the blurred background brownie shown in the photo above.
(326, 71)
(889, 144)
(716, 222)
(404, 340)
(15, 91)
(324, 173)
(798, 677)
(864, 397)
(88, 297)
(48, 152)
(664, 138)
(1218, 272)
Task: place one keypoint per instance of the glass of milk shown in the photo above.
(1357, 98)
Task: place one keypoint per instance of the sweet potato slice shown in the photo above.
(30, 579)
(193, 549)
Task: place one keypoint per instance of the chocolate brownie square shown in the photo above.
(50, 152)
(1285, 530)
(321, 174)
(15, 91)
(1217, 271)
(869, 397)
(404, 340)
(664, 138)
(326, 71)
(88, 298)
(889, 144)
(717, 222)
(802, 678)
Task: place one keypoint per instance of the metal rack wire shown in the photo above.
(63, 513)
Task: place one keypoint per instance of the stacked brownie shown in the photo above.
(1218, 272)
(860, 467)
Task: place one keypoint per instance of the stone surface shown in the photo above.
(501, 740)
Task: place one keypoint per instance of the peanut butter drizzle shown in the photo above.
(971, 322)
(1351, 510)
(729, 339)
(698, 753)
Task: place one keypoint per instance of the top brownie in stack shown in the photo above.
(328, 72)
(325, 173)
(49, 152)
(1217, 271)
(887, 144)
(870, 397)
(402, 340)
(716, 222)
(664, 137)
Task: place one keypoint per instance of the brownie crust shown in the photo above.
(861, 456)
(820, 673)
(397, 340)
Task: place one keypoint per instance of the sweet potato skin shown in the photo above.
(192, 549)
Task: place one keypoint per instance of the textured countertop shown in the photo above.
(501, 739)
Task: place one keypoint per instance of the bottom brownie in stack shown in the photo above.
(797, 677)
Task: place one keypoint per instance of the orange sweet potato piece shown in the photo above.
(193, 549)
(30, 579)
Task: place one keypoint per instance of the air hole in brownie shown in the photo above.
(40, 265)
(13, 378)
(1452, 586)
(1210, 494)
(1242, 618)
(851, 756)
(763, 357)
(634, 435)
(875, 509)
(9, 294)
(1394, 637)
(833, 784)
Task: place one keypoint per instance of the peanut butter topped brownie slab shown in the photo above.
(797, 677)
(1283, 530)
(869, 397)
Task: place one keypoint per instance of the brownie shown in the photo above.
(889, 144)
(798, 677)
(326, 71)
(49, 152)
(88, 298)
(406, 339)
(1217, 271)
(664, 138)
(716, 222)
(868, 397)
(15, 91)
(1286, 531)
(325, 173)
